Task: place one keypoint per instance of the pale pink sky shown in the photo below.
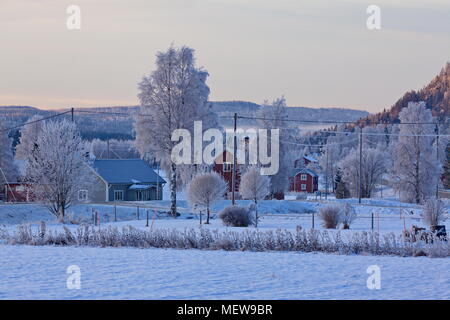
(316, 53)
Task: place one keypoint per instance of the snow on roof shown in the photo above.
(309, 158)
(303, 170)
(126, 171)
(21, 166)
(139, 187)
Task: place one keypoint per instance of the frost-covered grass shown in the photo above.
(249, 240)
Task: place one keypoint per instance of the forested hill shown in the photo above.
(113, 122)
(436, 96)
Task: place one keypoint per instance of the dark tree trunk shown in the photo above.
(173, 190)
(207, 216)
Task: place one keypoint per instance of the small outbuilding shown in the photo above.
(124, 180)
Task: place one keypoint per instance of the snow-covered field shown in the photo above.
(125, 273)
(129, 273)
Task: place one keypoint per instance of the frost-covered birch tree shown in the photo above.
(254, 186)
(204, 190)
(28, 137)
(58, 167)
(373, 166)
(272, 117)
(416, 168)
(172, 97)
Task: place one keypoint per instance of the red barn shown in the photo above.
(223, 165)
(17, 192)
(303, 180)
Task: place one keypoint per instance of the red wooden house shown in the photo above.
(224, 166)
(303, 180)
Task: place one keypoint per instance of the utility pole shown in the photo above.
(71, 113)
(157, 179)
(437, 157)
(326, 173)
(360, 165)
(233, 177)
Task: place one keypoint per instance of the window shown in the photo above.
(118, 195)
(226, 167)
(82, 195)
(303, 177)
(303, 186)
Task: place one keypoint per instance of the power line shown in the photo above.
(262, 118)
(368, 133)
(35, 121)
(105, 112)
(315, 145)
(329, 121)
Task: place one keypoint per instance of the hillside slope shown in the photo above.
(436, 96)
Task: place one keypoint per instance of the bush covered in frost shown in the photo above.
(330, 216)
(348, 215)
(236, 216)
(433, 212)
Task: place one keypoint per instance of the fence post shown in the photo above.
(378, 222)
(147, 219)
(372, 221)
(137, 208)
(313, 220)
(115, 212)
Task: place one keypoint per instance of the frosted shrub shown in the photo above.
(330, 216)
(236, 216)
(348, 215)
(433, 212)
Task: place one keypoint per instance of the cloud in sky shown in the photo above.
(316, 53)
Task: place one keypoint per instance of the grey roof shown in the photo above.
(294, 172)
(126, 171)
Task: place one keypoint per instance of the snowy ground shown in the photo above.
(125, 273)
(128, 273)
